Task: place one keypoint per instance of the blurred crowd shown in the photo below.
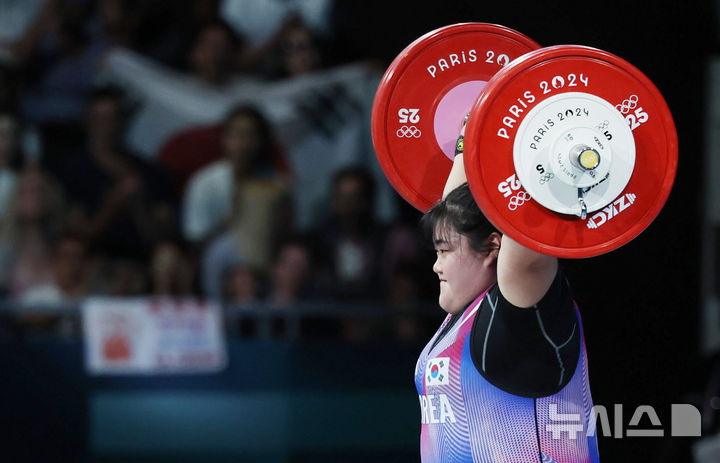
(215, 149)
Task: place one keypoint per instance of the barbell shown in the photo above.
(569, 150)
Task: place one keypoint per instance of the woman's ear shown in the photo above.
(493, 243)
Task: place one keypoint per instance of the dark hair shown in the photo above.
(458, 212)
(359, 173)
(105, 92)
(234, 39)
(113, 94)
(261, 124)
(260, 161)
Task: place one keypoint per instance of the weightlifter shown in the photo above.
(554, 138)
(505, 377)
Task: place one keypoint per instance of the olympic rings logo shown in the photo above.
(518, 200)
(603, 125)
(628, 104)
(408, 131)
(546, 178)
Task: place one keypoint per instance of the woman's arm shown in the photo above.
(457, 173)
(524, 275)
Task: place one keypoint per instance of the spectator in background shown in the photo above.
(250, 160)
(322, 115)
(118, 201)
(260, 21)
(208, 64)
(292, 50)
(171, 271)
(240, 199)
(211, 59)
(180, 153)
(242, 285)
(59, 63)
(335, 117)
(300, 51)
(71, 274)
(291, 273)
(36, 219)
(212, 54)
(114, 23)
(167, 31)
(266, 24)
(169, 100)
(351, 239)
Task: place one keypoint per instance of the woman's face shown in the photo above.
(211, 54)
(292, 266)
(242, 139)
(464, 273)
(301, 53)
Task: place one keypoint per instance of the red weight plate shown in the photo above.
(423, 97)
(507, 100)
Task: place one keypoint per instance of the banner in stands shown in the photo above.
(150, 336)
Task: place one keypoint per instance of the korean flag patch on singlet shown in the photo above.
(436, 372)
